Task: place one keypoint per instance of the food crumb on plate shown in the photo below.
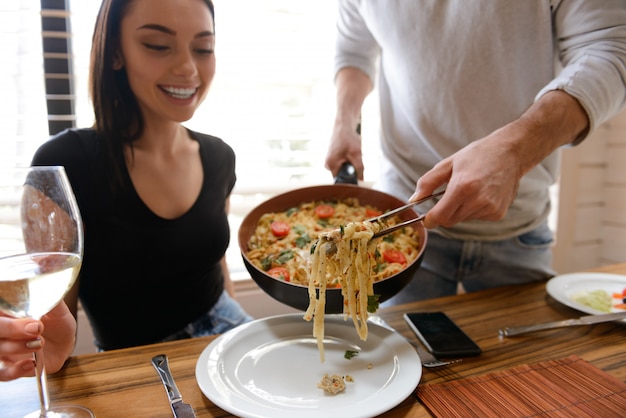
(332, 384)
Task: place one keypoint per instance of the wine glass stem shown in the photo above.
(42, 383)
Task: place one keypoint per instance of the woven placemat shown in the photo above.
(568, 387)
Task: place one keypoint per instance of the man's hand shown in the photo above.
(482, 181)
(345, 143)
(483, 178)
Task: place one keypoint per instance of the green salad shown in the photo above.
(599, 299)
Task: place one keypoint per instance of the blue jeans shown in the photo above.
(224, 316)
(478, 265)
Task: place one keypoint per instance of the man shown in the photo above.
(477, 98)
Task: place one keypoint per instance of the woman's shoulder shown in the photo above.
(73, 134)
(66, 146)
(76, 150)
(212, 145)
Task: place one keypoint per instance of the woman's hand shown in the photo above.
(20, 338)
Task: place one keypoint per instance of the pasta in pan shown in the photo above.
(328, 245)
(281, 243)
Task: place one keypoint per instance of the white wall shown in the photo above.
(591, 228)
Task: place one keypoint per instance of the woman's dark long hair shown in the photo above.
(118, 118)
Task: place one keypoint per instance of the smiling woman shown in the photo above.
(147, 187)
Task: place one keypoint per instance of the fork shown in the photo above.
(427, 359)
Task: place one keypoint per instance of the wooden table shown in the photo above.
(123, 383)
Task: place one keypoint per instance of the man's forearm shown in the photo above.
(352, 87)
(556, 119)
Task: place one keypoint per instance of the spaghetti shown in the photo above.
(345, 254)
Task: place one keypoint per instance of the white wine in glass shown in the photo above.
(41, 251)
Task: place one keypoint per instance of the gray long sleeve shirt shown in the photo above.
(452, 71)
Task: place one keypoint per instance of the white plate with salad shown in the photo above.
(592, 293)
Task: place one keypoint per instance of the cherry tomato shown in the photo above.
(324, 211)
(394, 256)
(372, 213)
(280, 228)
(279, 273)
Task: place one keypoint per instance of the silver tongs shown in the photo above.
(389, 229)
(395, 211)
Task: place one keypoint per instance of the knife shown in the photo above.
(583, 320)
(179, 408)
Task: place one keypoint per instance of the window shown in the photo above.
(272, 98)
(23, 115)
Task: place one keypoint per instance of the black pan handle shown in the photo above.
(346, 174)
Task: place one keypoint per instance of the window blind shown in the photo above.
(57, 64)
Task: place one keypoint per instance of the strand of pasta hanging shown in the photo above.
(345, 254)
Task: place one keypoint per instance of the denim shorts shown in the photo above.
(450, 264)
(225, 315)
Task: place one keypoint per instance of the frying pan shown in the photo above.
(297, 295)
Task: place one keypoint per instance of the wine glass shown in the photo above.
(41, 251)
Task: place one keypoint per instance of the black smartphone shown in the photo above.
(440, 335)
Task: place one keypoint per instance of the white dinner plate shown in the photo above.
(271, 367)
(564, 286)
